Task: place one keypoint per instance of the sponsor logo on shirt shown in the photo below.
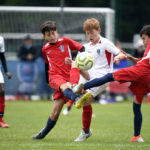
(62, 48)
(98, 51)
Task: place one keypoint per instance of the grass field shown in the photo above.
(112, 127)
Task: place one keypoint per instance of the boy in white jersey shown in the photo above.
(138, 75)
(103, 52)
(2, 92)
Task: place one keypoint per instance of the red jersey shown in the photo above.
(138, 75)
(55, 55)
(146, 55)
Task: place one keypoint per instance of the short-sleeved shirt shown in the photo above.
(59, 72)
(103, 53)
(55, 55)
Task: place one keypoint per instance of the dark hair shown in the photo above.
(48, 26)
(145, 30)
(28, 37)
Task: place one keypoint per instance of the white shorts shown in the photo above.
(96, 90)
(1, 77)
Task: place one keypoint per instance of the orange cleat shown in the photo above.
(137, 139)
(3, 124)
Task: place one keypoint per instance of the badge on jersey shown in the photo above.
(98, 51)
(62, 48)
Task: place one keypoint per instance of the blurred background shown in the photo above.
(121, 22)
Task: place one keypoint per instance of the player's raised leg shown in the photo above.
(70, 92)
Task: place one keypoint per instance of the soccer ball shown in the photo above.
(84, 61)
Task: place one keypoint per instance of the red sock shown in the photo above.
(74, 76)
(70, 103)
(2, 105)
(86, 117)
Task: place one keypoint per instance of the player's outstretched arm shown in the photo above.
(131, 58)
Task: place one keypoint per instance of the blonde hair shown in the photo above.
(90, 24)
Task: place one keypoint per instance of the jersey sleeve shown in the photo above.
(73, 44)
(2, 48)
(110, 47)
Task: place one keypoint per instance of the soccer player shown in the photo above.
(138, 76)
(60, 76)
(103, 52)
(2, 89)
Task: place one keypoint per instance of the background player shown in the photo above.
(138, 75)
(60, 76)
(2, 89)
(103, 52)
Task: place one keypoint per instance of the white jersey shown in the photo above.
(103, 53)
(2, 47)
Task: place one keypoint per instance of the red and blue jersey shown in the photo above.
(55, 55)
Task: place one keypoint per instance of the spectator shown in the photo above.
(139, 51)
(27, 52)
(27, 69)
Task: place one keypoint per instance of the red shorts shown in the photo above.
(55, 81)
(139, 76)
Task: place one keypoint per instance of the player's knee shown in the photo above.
(65, 86)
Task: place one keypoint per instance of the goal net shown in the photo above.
(17, 22)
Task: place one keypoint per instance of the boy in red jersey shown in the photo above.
(139, 77)
(60, 76)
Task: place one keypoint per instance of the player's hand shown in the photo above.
(68, 61)
(9, 75)
(120, 56)
(29, 57)
(116, 60)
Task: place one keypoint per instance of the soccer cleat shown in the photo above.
(77, 88)
(65, 112)
(38, 135)
(137, 139)
(82, 100)
(3, 124)
(83, 136)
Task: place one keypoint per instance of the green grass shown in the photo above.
(112, 127)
